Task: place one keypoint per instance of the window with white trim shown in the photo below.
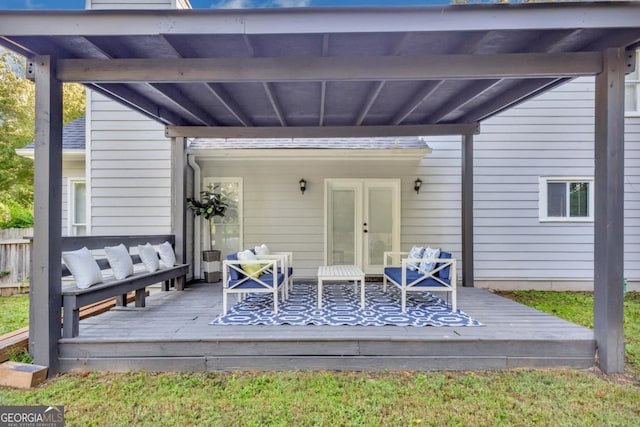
(77, 207)
(632, 90)
(567, 199)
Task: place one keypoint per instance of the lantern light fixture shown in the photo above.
(417, 184)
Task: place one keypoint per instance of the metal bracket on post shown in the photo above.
(30, 73)
(630, 56)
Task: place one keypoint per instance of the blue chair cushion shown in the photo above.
(233, 274)
(252, 284)
(395, 274)
(445, 272)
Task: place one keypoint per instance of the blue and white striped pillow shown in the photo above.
(415, 253)
(426, 266)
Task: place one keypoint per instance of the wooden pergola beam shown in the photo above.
(305, 69)
(320, 132)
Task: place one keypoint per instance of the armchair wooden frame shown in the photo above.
(412, 281)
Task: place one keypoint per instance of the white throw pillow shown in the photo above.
(119, 261)
(252, 269)
(415, 253)
(426, 266)
(83, 267)
(149, 257)
(262, 250)
(167, 256)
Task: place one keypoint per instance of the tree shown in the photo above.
(17, 119)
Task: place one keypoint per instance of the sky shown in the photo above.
(224, 4)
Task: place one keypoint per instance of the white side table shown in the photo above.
(341, 273)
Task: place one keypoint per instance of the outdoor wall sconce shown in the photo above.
(303, 186)
(417, 184)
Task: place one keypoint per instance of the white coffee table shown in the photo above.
(341, 273)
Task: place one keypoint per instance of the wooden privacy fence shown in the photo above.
(15, 259)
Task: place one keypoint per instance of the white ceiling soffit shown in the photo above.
(317, 149)
(325, 72)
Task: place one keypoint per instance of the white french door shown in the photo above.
(362, 220)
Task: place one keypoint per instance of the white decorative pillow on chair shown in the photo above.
(149, 257)
(262, 250)
(426, 266)
(252, 269)
(83, 267)
(415, 253)
(119, 261)
(167, 256)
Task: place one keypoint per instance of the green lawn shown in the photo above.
(14, 313)
(504, 398)
(577, 307)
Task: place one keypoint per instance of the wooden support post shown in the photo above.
(467, 210)
(45, 296)
(179, 187)
(609, 212)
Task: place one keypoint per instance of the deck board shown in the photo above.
(173, 333)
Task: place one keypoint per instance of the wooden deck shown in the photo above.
(173, 334)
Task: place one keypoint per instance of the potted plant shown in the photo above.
(213, 203)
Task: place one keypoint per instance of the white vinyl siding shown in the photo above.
(551, 135)
(632, 198)
(130, 171)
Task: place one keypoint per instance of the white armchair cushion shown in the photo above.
(414, 253)
(262, 250)
(83, 267)
(167, 256)
(426, 266)
(252, 269)
(119, 261)
(149, 257)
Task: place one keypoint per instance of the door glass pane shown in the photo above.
(556, 199)
(579, 199)
(380, 226)
(343, 213)
(226, 230)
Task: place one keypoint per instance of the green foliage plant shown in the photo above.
(17, 122)
(19, 355)
(213, 203)
(15, 215)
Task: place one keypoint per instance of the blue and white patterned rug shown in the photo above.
(341, 306)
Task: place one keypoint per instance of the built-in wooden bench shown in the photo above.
(73, 298)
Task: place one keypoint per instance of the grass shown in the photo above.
(514, 398)
(577, 307)
(14, 313)
(504, 398)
